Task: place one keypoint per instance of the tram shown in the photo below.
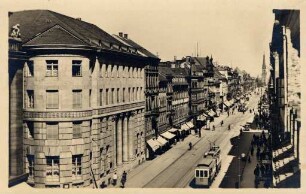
(209, 167)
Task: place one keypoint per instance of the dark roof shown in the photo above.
(47, 27)
(201, 61)
(217, 74)
(137, 46)
(178, 72)
(205, 162)
(163, 71)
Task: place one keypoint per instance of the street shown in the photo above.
(175, 168)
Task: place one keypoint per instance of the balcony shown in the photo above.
(196, 89)
(153, 112)
(197, 101)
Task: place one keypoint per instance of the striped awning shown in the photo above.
(184, 127)
(153, 144)
(190, 124)
(167, 135)
(173, 130)
(201, 117)
(161, 140)
(227, 103)
(211, 113)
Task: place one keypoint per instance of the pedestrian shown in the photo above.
(256, 183)
(257, 153)
(256, 171)
(267, 183)
(221, 122)
(262, 170)
(115, 177)
(123, 179)
(252, 150)
(213, 127)
(249, 159)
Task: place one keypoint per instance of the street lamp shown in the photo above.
(239, 159)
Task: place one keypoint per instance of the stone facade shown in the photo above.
(81, 111)
(285, 97)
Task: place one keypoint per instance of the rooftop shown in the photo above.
(45, 27)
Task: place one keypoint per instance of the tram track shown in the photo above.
(172, 180)
(196, 152)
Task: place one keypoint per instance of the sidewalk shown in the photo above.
(144, 173)
(239, 169)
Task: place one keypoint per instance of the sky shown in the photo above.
(236, 33)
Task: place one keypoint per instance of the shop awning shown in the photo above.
(173, 130)
(211, 113)
(153, 144)
(184, 127)
(190, 124)
(167, 135)
(161, 140)
(201, 117)
(237, 98)
(227, 103)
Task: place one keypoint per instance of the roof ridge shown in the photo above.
(55, 14)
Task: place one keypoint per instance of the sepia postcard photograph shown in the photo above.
(141, 95)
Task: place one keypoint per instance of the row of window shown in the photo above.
(163, 101)
(179, 79)
(120, 71)
(118, 95)
(52, 99)
(151, 81)
(163, 118)
(180, 95)
(181, 111)
(53, 130)
(53, 170)
(112, 96)
(151, 103)
(105, 70)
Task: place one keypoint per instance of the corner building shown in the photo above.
(83, 100)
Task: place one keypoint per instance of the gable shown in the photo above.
(55, 36)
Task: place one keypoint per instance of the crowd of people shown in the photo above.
(263, 169)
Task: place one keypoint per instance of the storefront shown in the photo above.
(164, 144)
(153, 148)
(169, 136)
(201, 120)
(184, 131)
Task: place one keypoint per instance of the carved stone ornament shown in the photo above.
(15, 31)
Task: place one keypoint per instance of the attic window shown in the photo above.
(116, 46)
(124, 48)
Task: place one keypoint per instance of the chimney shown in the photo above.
(121, 34)
(174, 58)
(80, 19)
(126, 36)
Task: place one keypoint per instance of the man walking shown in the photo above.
(115, 177)
(123, 179)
